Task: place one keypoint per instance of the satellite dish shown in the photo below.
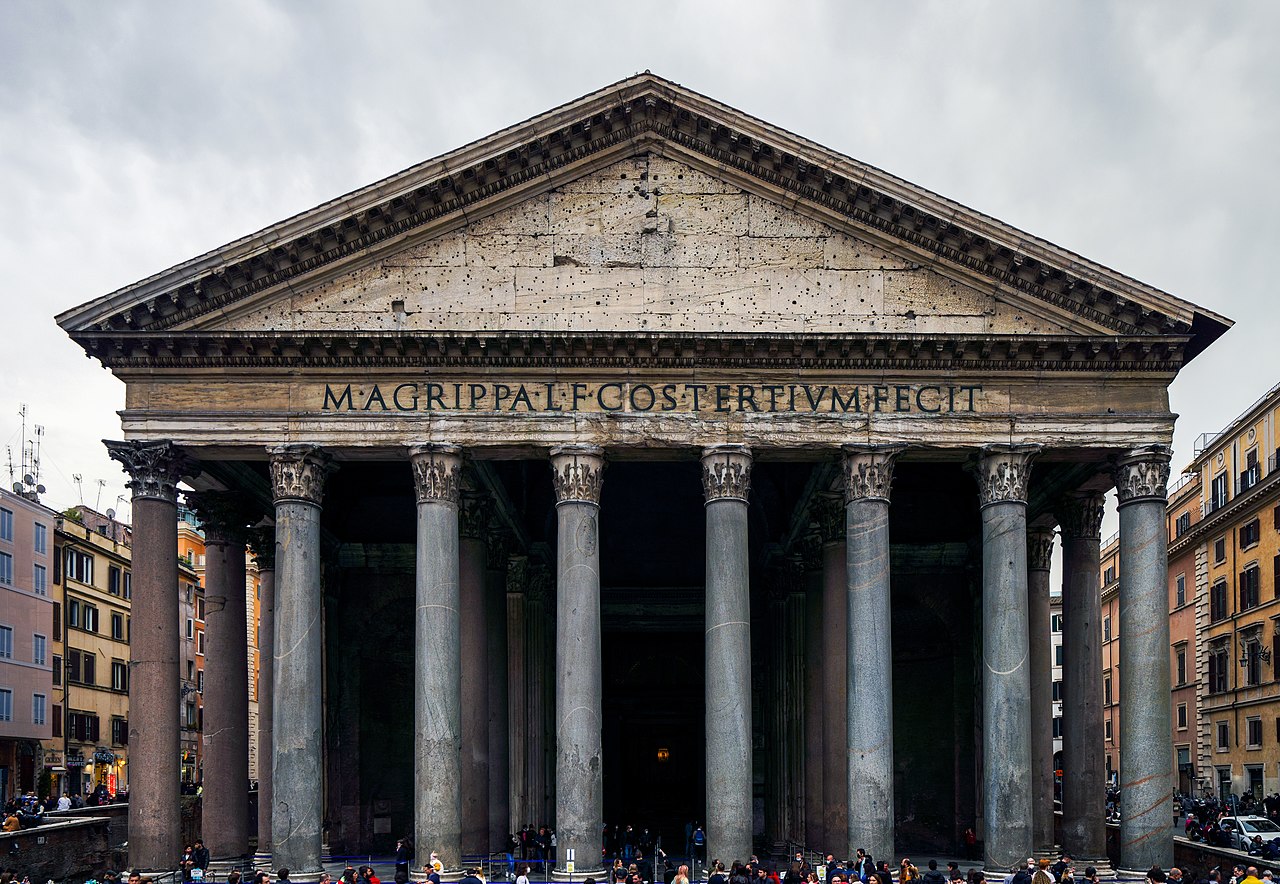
(40, 489)
(111, 514)
(17, 487)
(29, 479)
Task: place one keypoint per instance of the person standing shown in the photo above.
(404, 854)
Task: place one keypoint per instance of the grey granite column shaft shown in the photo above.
(829, 515)
(537, 657)
(225, 803)
(1084, 832)
(265, 552)
(1146, 744)
(298, 473)
(1039, 560)
(499, 726)
(795, 710)
(726, 481)
(579, 789)
(1002, 473)
(868, 475)
(154, 746)
(814, 754)
(517, 694)
(474, 674)
(438, 675)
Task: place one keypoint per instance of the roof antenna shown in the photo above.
(79, 480)
(97, 504)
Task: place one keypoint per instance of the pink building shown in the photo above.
(26, 640)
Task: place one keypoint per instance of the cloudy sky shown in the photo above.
(135, 135)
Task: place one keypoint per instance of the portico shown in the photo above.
(832, 405)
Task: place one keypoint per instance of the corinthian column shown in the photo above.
(499, 723)
(1039, 559)
(473, 531)
(1003, 472)
(829, 518)
(437, 769)
(154, 749)
(726, 480)
(1146, 744)
(868, 473)
(577, 473)
(1084, 832)
(298, 474)
(263, 542)
(225, 518)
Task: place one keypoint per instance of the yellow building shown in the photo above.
(93, 554)
(191, 637)
(1235, 542)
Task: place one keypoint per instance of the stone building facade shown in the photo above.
(642, 366)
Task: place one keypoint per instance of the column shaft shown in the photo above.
(298, 473)
(835, 691)
(474, 673)
(1006, 731)
(438, 681)
(795, 710)
(1039, 556)
(225, 802)
(814, 754)
(869, 673)
(579, 787)
(266, 670)
(499, 744)
(726, 472)
(517, 697)
(1084, 833)
(154, 739)
(1146, 744)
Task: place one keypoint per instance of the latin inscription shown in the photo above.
(630, 397)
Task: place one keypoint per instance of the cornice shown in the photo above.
(1263, 494)
(844, 351)
(628, 117)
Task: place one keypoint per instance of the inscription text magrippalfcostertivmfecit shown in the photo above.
(636, 397)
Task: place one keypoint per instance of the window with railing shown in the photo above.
(1218, 601)
(1251, 657)
(1250, 588)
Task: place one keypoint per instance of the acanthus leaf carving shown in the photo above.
(577, 471)
(726, 472)
(298, 472)
(437, 472)
(1003, 472)
(154, 468)
(1142, 474)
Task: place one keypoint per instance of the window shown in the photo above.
(1224, 736)
(128, 584)
(1182, 525)
(38, 708)
(1218, 601)
(1055, 623)
(73, 666)
(200, 682)
(199, 641)
(117, 626)
(191, 669)
(1057, 728)
(1109, 576)
(73, 613)
(83, 727)
(39, 647)
(57, 621)
(6, 569)
(57, 669)
(89, 618)
(6, 704)
(190, 628)
(6, 524)
(57, 719)
(1106, 730)
(6, 643)
(1250, 475)
(1182, 716)
(1219, 550)
(1253, 662)
(1057, 691)
(1254, 730)
(1057, 655)
(89, 666)
(120, 732)
(119, 675)
(79, 566)
(113, 580)
(1106, 629)
(191, 715)
(1219, 666)
(1250, 588)
(41, 541)
(40, 579)
(200, 609)
(1180, 664)
(1106, 691)
(1218, 492)
(1180, 591)
(1250, 533)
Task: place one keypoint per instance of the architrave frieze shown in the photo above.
(645, 112)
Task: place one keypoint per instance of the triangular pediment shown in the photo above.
(644, 207)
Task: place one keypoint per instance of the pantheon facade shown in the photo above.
(644, 463)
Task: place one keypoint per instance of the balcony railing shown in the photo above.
(1248, 479)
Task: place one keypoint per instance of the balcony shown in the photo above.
(1248, 479)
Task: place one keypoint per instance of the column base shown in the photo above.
(220, 868)
(578, 874)
(262, 862)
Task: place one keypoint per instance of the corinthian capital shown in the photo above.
(437, 472)
(827, 513)
(154, 468)
(1080, 515)
(1003, 473)
(868, 471)
(577, 471)
(474, 513)
(298, 473)
(726, 472)
(225, 516)
(1039, 549)
(1142, 474)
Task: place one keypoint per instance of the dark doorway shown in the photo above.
(654, 733)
